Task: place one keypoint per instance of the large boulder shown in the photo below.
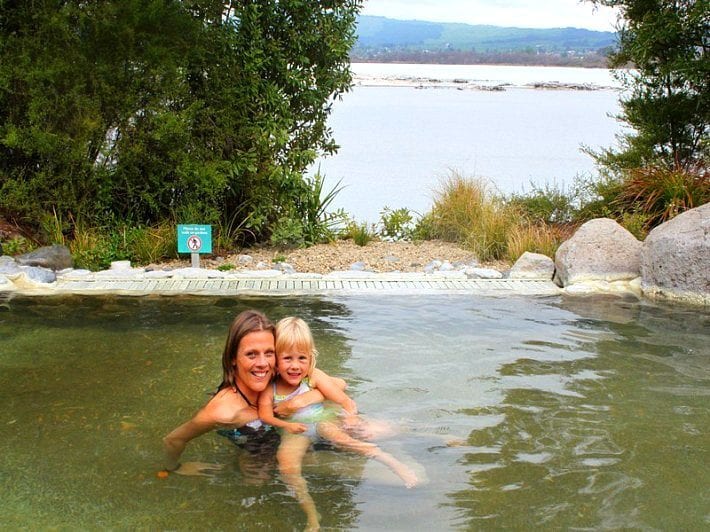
(600, 250)
(675, 260)
(52, 257)
(532, 266)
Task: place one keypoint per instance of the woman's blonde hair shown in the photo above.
(294, 334)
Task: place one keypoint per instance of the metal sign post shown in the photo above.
(194, 239)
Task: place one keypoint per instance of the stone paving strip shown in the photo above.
(263, 283)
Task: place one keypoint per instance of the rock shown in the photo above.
(4, 281)
(532, 266)
(358, 266)
(446, 266)
(245, 259)
(52, 257)
(38, 275)
(600, 250)
(285, 267)
(262, 266)
(482, 273)
(675, 258)
(120, 265)
(9, 267)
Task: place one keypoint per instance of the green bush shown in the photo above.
(361, 233)
(397, 224)
(548, 204)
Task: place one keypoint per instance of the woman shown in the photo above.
(248, 364)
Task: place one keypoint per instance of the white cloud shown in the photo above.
(515, 13)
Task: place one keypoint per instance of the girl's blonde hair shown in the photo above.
(293, 334)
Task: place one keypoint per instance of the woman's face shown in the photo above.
(255, 360)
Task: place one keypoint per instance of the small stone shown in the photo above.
(245, 259)
(358, 266)
(120, 265)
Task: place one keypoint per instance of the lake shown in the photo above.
(565, 413)
(398, 141)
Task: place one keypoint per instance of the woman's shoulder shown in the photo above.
(228, 408)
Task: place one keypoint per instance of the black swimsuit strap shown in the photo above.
(244, 396)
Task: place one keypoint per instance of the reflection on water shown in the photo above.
(519, 412)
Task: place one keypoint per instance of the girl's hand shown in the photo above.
(296, 428)
(197, 469)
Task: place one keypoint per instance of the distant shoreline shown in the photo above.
(418, 82)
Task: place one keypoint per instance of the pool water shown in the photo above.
(517, 412)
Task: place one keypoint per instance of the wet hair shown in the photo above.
(246, 322)
(293, 334)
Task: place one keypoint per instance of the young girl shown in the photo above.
(297, 374)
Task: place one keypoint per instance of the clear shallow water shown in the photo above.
(397, 143)
(572, 413)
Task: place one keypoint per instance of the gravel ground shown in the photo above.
(342, 254)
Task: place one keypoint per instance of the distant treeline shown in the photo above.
(460, 57)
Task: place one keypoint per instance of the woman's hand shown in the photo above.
(197, 469)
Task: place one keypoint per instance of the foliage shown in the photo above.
(397, 224)
(547, 204)
(667, 96)
(659, 194)
(140, 110)
(361, 233)
(544, 239)
(227, 266)
(17, 246)
(467, 212)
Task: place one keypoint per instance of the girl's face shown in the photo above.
(255, 360)
(293, 365)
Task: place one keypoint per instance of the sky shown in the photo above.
(512, 13)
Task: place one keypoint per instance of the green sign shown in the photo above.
(194, 238)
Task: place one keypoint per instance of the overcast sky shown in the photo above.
(514, 13)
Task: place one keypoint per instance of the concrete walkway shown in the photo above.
(292, 285)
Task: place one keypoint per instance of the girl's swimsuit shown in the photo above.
(310, 415)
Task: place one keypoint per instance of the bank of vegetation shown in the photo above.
(119, 121)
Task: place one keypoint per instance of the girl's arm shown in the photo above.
(266, 414)
(291, 406)
(331, 390)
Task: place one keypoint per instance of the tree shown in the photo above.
(144, 110)
(662, 61)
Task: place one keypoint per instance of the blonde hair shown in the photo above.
(293, 334)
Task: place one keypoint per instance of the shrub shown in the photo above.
(17, 246)
(548, 204)
(361, 234)
(467, 212)
(534, 238)
(397, 224)
(658, 193)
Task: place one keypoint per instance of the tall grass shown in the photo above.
(468, 212)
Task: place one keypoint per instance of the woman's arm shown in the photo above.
(266, 414)
(331, 390)
(291, 406)
(174, 443)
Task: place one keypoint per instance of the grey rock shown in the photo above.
(8, 266)
(53, 257)
(39, 275)
(4, 280)
(245, 259)
(262, 266)
(482, 273)
(532, 266)
(358, 266)
(675, 258)
(120, 265)
(446, 266)
(600, 250)
(285, 267)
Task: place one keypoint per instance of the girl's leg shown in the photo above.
(290, 458)
(335, 434)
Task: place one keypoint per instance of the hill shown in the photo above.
(381, 37)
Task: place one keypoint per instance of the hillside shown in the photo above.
(381, 37)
